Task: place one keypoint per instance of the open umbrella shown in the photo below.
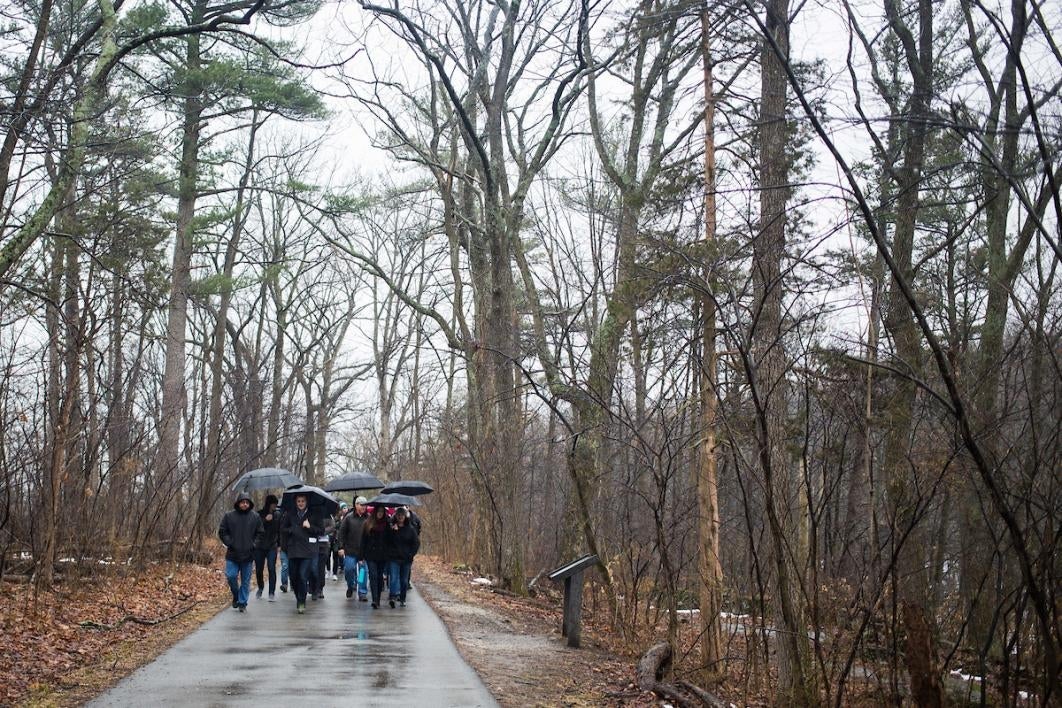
(353, 482)
(411, 488)
(265, 478)
(393, 500)
(315, 497)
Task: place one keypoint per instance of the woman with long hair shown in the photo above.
(375, 545)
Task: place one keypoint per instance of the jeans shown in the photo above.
(376, 569)
(243, 570)
(398, 579)
(284, 568)
(303, 575)
(266, 557)
(350, 572)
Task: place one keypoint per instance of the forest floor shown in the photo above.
(515, 644)
(65, 645)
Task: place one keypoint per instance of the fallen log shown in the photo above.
(650, 670)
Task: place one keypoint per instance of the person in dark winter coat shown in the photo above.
(324, 550)
(349, 539)
(265, 553)
(405, 542)
(301, 529)
(375, 540)
(240, 530)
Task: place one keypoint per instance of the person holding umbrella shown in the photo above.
(265, 551)
(240, 531)
(405, 542)
(375, 550)
(302, 528)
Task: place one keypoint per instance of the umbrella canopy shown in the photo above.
(315, 498)
(265, 478)
(352, 482)
(410, 488)
(393, 500)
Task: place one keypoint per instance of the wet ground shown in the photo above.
(339, 652)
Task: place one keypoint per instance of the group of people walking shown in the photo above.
(370, 546)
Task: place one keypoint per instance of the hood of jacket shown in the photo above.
(239, 498)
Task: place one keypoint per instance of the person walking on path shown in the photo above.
(283, 541)
(337, 558)
(405, 542)
(349, 539)
(302, 528)
(265, 552)
(240, 531)
(324, 550)
(375, 542)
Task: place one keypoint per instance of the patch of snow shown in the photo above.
(687, 613)
(957, 673)
(1024, 695)
(728, 615)
(67, 560)
(481, 581)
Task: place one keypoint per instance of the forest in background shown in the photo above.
(756, 301)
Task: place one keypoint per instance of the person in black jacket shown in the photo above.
(375, 540)
(349, 540)
(301, 528)
(265, 553)
(240, 530)
(405, 542)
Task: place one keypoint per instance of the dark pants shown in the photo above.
(322, 572)
(266, 557)
(337, 563)
(303, 573)
(376, 569)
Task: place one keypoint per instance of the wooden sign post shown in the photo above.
(572, 575)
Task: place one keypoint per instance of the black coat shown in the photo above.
(271, 537)
(376, 543)
(350, 531)
(405, 542)
(240, 531)
(324, 541)
(297, 537)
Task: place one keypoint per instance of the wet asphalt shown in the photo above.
(340, 653)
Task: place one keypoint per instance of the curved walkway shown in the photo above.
(339, 651)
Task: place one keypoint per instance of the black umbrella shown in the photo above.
(315, 498)
(265, 478)
(410, 488)
(393, 500)
(353, 482)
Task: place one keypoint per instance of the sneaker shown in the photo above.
(375, 606)
(350, 592)
(320, 596)
(272, 597)
(243, 608)
(301, 609)
(401, 603)
(391, 603)
(283, 588)
(313, 597)
(334, 578)
(235, 604)
(362, 598)
(258, 594)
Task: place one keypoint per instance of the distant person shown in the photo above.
(240, 530)
(337, 558)
(283, 541)
(405, 542)
(301, 528)
(349, 541)
(375, 542)
(265, 552)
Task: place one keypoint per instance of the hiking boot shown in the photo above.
(350, 592)
(283, 588)
(301, 609)
(235, 604)
(258, 594)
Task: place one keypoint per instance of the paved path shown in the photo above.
(339, 652)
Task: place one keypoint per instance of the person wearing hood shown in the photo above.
(265, 552)
(241, 531)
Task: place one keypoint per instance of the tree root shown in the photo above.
(89, 624)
